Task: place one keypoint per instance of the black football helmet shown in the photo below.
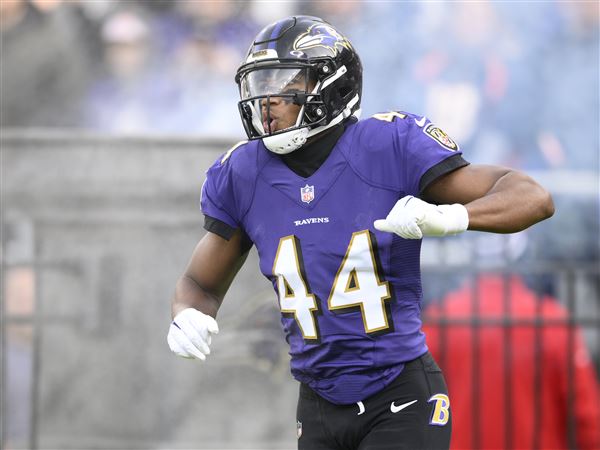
(302, 60)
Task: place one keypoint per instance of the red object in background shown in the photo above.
(558, 357)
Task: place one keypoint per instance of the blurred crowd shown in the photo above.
(515, 83)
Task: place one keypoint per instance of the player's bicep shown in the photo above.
(215, 262)
(463, 185)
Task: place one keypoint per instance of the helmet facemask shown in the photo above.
(270, 90)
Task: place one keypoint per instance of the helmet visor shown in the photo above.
(274, 81)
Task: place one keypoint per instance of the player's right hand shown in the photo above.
(190, 334)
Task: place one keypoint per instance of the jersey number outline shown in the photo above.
(389, 116)
(357, 284)
(294, 294)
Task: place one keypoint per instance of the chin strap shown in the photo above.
(289, 141)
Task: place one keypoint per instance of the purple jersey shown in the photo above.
(349, 295)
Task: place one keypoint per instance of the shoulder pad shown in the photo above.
(231, 150)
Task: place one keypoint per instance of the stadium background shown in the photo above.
(111, 112)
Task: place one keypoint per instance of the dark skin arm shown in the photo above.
(214, 264)
(498, 199)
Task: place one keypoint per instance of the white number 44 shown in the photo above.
(356, 284)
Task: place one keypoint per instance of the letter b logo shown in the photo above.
(441, 410)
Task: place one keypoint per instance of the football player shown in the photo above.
(337, 208)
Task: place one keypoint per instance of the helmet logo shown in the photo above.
(322, 35)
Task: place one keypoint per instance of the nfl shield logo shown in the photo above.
(307, 193)
(298, 428)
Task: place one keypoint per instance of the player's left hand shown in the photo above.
(412, 218)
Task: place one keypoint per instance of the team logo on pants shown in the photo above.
(298, 429)
(441, 410)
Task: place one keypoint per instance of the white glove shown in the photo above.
(190, 334)
(412, 218)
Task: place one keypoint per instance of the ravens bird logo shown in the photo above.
(322, 35)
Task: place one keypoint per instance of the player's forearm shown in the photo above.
(189, 294)
(514, 203)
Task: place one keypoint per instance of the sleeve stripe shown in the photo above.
(441, 168)
(218, 227)
(226, 231)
